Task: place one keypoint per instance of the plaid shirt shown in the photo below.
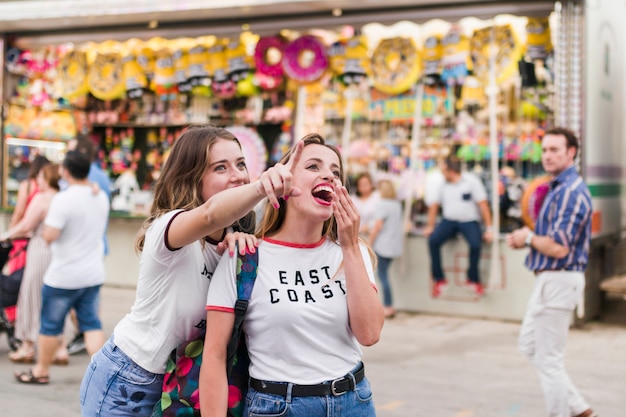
(565, 216)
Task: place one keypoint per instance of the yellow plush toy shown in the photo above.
(539, 42)
(106, 78)
(432, 54)
(72, 72)
(396, 65)
(456, 60)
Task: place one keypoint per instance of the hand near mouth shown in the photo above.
(346, 215)
(277, 181)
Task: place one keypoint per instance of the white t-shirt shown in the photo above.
(390, 240)
(459, 200)
(171, 296)
(78, 252)
(297, 325)
(366, 207)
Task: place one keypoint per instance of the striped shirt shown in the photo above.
(565, 216)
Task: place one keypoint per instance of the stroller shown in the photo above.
(9, 289)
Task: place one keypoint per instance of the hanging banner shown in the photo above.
(392, 108)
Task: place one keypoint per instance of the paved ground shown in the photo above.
(424, 366)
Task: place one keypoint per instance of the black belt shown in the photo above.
(337, 387)
(539, 271)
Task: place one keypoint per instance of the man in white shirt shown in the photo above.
(73, 227)
(463, 200)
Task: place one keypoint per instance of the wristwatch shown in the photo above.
(529, 238)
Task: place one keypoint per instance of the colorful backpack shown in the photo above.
(180, 397)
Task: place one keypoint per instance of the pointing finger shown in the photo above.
(295, 156)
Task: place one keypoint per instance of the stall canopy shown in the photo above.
(61, 20)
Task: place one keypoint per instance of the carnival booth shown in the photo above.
(395, 98)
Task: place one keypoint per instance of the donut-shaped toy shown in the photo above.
(72, 72)
(532, 199)
(263, 48)
(509, 52)
(395, 65)
(106, 77)
(253, 149)
(298, 51)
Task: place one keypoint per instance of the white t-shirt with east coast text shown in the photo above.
(171, 296)
(297, 325)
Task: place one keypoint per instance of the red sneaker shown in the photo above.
(476, 287)
(439, 287)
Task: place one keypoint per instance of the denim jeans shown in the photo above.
(57, 302)
(115, 386)
(356, 403)
(446, 230)
(383, 276)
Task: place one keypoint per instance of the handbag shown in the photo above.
(180, 395)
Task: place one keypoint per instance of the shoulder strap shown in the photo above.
(246, 274)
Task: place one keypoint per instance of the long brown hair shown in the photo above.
(273, 219)
(51, 175)
(180, 184)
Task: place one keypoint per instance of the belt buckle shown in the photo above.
(333, 388)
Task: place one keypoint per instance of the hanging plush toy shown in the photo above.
(72, 73)
(508, 52)
(538, 38)
(163, 82)
(106, 78)
(268, 55)
(180, 57)
(134, 78)
(349, 60)
(456, 59)
(431, 57)
(221, 86)
(238, 63)
(305, 59)
(396, 65)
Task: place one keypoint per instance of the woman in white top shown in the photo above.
(313, 303)
(180, 244)
(365, 200)
(387, 238)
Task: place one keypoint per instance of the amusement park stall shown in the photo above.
(396, 89)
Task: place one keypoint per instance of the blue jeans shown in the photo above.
(57, 302)
(356, 403)
(383, 276)
(115, 386)
(446, 230)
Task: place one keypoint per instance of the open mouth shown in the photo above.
(323, 194)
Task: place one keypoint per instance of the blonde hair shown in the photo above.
(386, 189)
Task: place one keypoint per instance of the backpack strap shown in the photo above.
(246, 274)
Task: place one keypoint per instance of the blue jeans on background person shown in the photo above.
(356, 403)
(383, 276)
(57, 302)
(115, 386)
(444, 231)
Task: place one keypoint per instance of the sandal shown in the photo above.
(27, 377)
(61, 361)
(22, 356)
